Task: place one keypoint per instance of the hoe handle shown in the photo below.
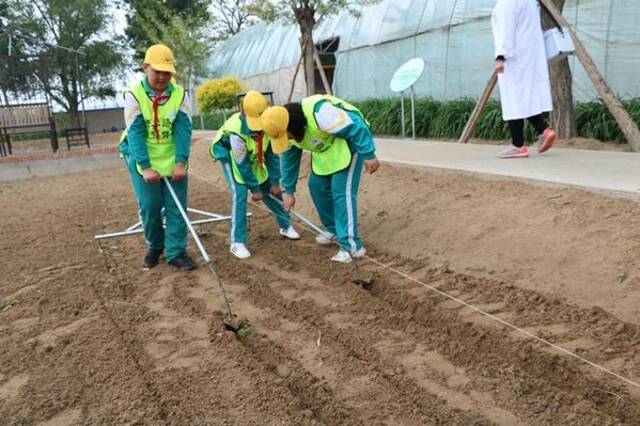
(186, 220)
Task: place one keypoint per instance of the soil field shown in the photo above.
(88, 337)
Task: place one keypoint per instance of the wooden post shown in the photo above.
(477, 111)
(325, 81)
(295, 74)
(622, 117)
(293, 82)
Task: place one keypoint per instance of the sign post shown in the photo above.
(405, 78)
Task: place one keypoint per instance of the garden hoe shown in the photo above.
(230, 322)
(365, 283)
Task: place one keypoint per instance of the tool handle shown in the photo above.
(224, 292)
(479, 108)
(302, 218)
(186, 220)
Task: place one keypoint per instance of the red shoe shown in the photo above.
(546, 140)
(515, 152)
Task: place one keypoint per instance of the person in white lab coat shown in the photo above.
(523, 72)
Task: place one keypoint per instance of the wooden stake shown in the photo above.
(325, 81)
(622, 117)
(477, 111)
(295, 74)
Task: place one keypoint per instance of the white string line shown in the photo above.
(503, 322)
(462, 302)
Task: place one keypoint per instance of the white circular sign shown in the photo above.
(407, 75)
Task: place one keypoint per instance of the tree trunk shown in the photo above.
(563, 117)
(305, 17)
(308, 61)
(4, 95)
(74, 104)
(74, 114)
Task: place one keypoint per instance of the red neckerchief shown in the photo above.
(260, 149)
(156, 102)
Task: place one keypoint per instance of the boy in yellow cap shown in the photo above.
(340, 141)
(156, 144)
(248, 163)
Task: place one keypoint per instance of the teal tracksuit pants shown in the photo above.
(152, 198)
(336, 199)
(239, 206)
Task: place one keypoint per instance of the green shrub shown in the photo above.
(595, 121)
(218, 94)
(211, 121)
(446, 119)
(451, 118)
(490, 125)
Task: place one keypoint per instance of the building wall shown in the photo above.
(103, 120)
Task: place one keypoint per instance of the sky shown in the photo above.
(118, 26)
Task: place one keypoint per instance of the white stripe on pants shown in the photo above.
(350, 220)
(234, 200)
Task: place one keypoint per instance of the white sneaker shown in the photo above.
(290, 233)
(239, 250)
(326, 239)
(342, 256)
(360, 253)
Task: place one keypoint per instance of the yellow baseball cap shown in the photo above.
(253, 105)
(275, 121)
(161, 58)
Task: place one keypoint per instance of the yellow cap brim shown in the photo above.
(280, 144)
(164, 68)
(254, 123)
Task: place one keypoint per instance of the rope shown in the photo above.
(461, 302)
(503, 322)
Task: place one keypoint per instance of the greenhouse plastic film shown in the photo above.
(453, 36)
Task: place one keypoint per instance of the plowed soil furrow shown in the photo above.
(179, 335)
(496, 356)
(88, 337)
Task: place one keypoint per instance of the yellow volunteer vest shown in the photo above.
(329, 154)
(233, 126)
(161, 149)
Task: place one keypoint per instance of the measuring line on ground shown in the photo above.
(448, 296)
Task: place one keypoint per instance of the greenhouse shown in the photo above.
(360, 54)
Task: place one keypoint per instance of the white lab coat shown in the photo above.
(525, 89)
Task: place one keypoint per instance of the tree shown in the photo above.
(185, 36)
(563, 117)
(307, 14)
(230, 17)
(12, 80)
(72, 46)
(195, 11)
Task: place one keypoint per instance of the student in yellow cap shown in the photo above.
(249, 164)
(156, 144)
(340, 141)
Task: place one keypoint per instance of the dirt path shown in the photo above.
(86, 336)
